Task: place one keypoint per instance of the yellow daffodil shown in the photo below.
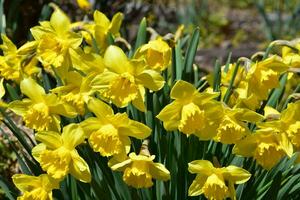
(84, 4)
(14, 63)
(191, 112)
(290, 57)
(86, 62)
(55, 38)
(108, 133)
(139, 170)
(215, 183)
(40, 111)
(57, 154)
(103, 27)
(266, 145)
(35, 187)
(76, 91)
(157, 54)
(261, 78)
(287, 122)
(232, 127)
(124, 80)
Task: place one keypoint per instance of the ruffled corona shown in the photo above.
(122, 90)
(138, 175)
(56, 162)
(229, 132)
(214, 188)
(267, 155)
(192, 119)
(139, 170)
(107, 141)
(37, 117)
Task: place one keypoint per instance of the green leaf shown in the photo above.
(190, 54)
(277, 94)
(141, 37)
(9, 190)
(13, 93)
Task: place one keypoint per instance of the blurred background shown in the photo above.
(238, 26)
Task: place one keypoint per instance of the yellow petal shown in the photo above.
(99, 108)
(201, 167)
(170, 115)
(32, 90)
(60, 21)
(139, 101)
(182, 90)
(116, 60)
(136, 130)
(159, 171)
(122, 165)
(91, 124)
(72, 136)
(26, 182)
(79, 168)
(196, 187)
(116, 23)
(235, 174)
(151, 80)
(50, 138)
(37, 150)
(101, 19)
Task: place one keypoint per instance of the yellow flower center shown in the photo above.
(76, 101)
(122, 90)
(192, 119)
(155, 59)
(106, 141)
(56, 162)
(37, 117)
(214, 188)
(229, 132)
(267, 155)
(138, 175)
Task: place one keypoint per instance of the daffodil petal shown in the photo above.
(182, 89)
(72, 136)
(196, 187)
(99, 108)
(50, 138)
(159, 171)
(32, 90)
(200, 166)
(235, 174)
(79, 168)
(116, 60)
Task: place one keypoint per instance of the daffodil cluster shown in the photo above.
(84, 95)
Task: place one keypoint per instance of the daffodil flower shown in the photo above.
(103, 27)
(55, 38)
(57, 154)
(76, 91)
(215, 183)
(157, 54)
(261, 78)
(84, 4)
(266, 145)
(124, 81)
(139, 170)
(290, 57)
(35, 187)
(40, 111)
(108, 133)
(233, 126)
(14, 63)
(191, 112)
